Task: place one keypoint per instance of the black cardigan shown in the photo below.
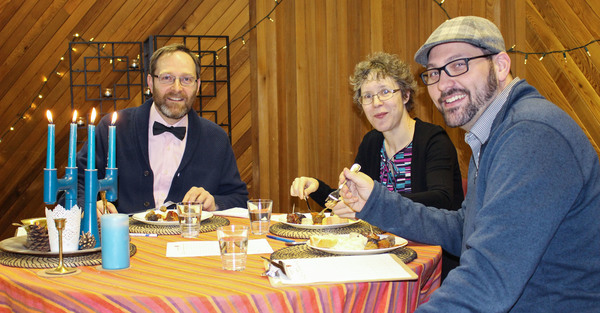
(436, 179)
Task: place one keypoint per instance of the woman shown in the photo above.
(409, 156)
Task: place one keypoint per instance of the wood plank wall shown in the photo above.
(291, 103)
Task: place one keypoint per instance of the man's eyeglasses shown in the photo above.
(168, 79)
(452, 69)
(382, 95)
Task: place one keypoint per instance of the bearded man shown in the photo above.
(528, 230)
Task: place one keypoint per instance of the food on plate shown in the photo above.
(333, 220)
(171, 216)
(295, 218)
(166, 216)
(324, 241)
(315, 219)
(352, 241)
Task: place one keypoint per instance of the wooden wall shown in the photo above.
(291, 103)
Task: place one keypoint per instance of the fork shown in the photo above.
(334, 196)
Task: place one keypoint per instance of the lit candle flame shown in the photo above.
(93, 118)
(49, 116)
(74, 116)
(114, 118)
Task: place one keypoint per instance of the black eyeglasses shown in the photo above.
(452, 69)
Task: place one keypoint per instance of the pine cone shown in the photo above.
(37, 238)
(86, 241)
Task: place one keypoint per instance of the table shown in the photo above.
(155, 283)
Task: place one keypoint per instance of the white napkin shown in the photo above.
(234, 212)
(211, 248)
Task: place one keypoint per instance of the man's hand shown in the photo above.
(354, 194)
(198, 194)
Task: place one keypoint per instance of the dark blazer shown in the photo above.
(208, 161)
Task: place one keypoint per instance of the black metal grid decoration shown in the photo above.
(214, 73)
(107, 71)
(110, 72)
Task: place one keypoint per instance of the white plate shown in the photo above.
(283, 219)
(141, 217)
(400, 242)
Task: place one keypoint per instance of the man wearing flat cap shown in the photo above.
(528, 232)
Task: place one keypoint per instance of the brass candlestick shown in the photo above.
(60, 269)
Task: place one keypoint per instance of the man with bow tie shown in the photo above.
(165, 151)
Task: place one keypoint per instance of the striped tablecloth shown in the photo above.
(155, 283)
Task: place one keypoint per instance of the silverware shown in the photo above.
(295, 243)
(334, 196)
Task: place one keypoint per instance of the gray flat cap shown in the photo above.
(475, 30)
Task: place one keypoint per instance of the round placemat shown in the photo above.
(405, 254)
(37, 261)
(284, 230)
(208, 225)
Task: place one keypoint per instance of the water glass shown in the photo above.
(259, 211)
(233, 243)
(190, 216)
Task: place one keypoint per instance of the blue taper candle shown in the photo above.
(91, 157)
(50, 144)
(112, 146)
(73, 141)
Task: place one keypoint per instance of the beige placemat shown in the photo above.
(40, 261)
(208, 225)
(284, 230)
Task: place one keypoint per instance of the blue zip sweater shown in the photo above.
(528, 232)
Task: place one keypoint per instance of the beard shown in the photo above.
(459, 116)
(170, 109)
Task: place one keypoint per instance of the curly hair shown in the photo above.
(166, 50)
(380, 65)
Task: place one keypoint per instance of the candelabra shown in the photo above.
(93, 185)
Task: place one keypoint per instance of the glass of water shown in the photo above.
(233, 243)
(259, 211)
(190, 216)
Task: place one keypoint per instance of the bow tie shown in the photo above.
(159, 128)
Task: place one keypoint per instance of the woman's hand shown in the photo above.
(303, 186)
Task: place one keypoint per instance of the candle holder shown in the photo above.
(53, 185)
(80, 121)
(108, 92)
(93, 185)
(61, 269)
(135, 64)
(147, 92)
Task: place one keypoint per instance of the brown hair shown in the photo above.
(381, 65)
(172, 49)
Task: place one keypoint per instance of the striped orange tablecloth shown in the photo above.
(155, 283)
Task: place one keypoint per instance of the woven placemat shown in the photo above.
(208, 225)
(284, 230)
(40, 261)
(405, 254)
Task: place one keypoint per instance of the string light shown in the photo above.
(24, 115)
(241, 37)
(542, 53)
